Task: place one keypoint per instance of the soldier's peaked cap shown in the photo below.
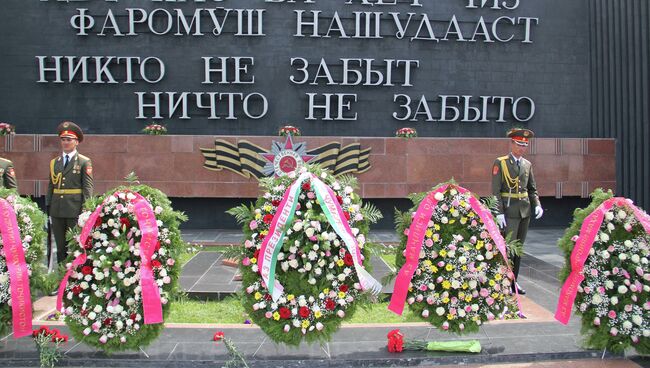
(520, 136)
(69, 129)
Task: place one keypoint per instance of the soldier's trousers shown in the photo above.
(60, 226)
(518, 227)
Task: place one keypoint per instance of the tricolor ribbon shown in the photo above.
(416, 234)
(272, 243)
(588, 232)
(21, 299)
(151, 303)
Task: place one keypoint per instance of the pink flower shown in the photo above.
(484, 293)
(611, 315)
(596, 321)
(248, 244)
(253, 225)
(423, 288)
(246, 261)
(613, 331)
(594, 272)
(489, 301)
(428, 243)
(574, 238)
(170, 262)
(406, 232)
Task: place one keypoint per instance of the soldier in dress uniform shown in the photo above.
(71, 183)
(514, 186)
(7, 174)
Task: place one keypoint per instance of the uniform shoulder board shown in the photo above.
(502, 158)
(4, 160)
(82, 157)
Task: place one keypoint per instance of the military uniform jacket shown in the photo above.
(69, 187)
(7, 174)
(514, 186)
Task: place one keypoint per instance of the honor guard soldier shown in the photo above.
(7, 174)
(71, 183)
(514, 186)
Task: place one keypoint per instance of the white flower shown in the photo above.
(309, 232)
(596, 299)
(635, 258)
(604, 237)
(425, 313)
(622, 256)
(627, 325)
(622, 214)
(637, 319)
(610, 226)
(613, 300)
(609, 284)
(439, 196)
(622, 289)
(297, 226)
(440, 310)
(609, 215)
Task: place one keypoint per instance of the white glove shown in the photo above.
(501, 221)
(539, 212)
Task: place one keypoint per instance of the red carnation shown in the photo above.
(285, 313)
(262, 236)
(306, 186)
(329, 304)
(76, 289)
(89, 243)
(156, 263)
(86, 270)
(218, 336)
(340, 199)
(256, 254)
(304, 312)
(132, 316)
(347, 215)
(268, 218)
(275, 203)
(98, 222)
(344, 288)
(395, 341)
(107, 322)
(348, 260)
(125, 222)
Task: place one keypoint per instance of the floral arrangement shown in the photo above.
(461, 277)
(6, 129)
(397, 344)
(155, 129)
(323, 284)
(103, 299)
(406, 133)
(31, 222)
(613, 299)
(48, 343)
(289, 130)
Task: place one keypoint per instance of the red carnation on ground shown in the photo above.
(304, 312)
(275, 203)
(329, 304)
(107, 322)
(76, 289)
(395, 341)
(218, 336)
(156, 263)
(268, 218)
(86, 270)
(306, 186)
(285, 313)
(344, 288)
(348, 259)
